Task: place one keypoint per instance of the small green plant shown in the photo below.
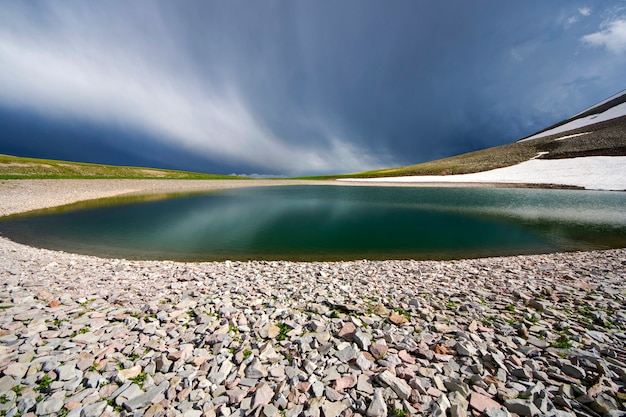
(139, 379)
(246, 353)
(192, 314)
(284, 329)
(57, 322)
(402, 312)
(510, 308)
(44, 383)
(533, 319)
(398, 412)
(4, 399)
(133, 357)
(563, 342)
(116, 408)
(289, 358)
(18, 389)
(84, 330)
(233, 329)
(63, 412)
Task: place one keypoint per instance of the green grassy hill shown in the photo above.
(13, 167)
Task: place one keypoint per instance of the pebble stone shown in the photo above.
(536, 335)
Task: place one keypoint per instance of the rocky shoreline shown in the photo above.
(527, 336)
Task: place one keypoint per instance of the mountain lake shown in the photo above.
(327, 223)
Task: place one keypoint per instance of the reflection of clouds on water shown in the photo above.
(337, 221)
(230, 222)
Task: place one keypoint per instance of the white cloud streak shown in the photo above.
(612, 36)
(61, 71)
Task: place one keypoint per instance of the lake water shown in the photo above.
(333, 223)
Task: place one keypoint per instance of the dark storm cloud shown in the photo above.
(299, 87)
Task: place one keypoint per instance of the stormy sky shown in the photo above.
(296, 87)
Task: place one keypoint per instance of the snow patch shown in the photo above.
(572, 136)
(590, 172)
(612, 113)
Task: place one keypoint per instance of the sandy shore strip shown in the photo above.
(18, 196)
(86, 336)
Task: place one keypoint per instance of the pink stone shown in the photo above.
(515, 360)
(481, 403)
(132, 372)
(398, 319)
(406, 357)
(344, 382)
(347, 331)
(378, 350)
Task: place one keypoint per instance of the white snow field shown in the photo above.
(590, 172)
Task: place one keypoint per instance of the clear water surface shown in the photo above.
(333, 223)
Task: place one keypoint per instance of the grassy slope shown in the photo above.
(12, 167)
(608, 138)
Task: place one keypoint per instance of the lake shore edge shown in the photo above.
(24, 195)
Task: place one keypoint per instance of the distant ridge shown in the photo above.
(599, 130)
(15, 167)
(607, 110)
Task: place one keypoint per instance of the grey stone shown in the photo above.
(25, 404)
(318, 388)
(604, 404)
(256, 370)
(146, 398)
(16, 370)
(522, 407)
(163, 364)
(465, 348)
(332, 409)
(6, 383)
(263, 395)
(52, 405)
(93, 410)
(363, 340)
(400, 386)
(346, 354)
(497, 412)
(456, 385)
(573, 371)
(378, 407)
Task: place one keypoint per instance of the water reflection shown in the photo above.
(327, 223)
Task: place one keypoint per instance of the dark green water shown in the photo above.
(331, 223)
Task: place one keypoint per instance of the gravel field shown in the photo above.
(536, 335)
